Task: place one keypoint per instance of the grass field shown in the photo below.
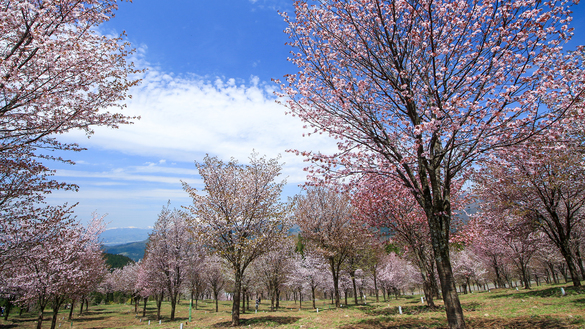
(540, 307)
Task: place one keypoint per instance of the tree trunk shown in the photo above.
(236, 301)
(335, 274)
(376, 285)
(159, 299)
(579, 261)
(71, 309)
(81, 306)
(41, 313)
(136, 300)
(173, 305)
(144, 308)
(568, 255)
(300, 298)
(355, 296)
(7, 310)
(215, 296)
(244, 292)
(439, 228)
(57, 302)
(313, 296)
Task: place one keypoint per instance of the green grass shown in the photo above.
(540, 307)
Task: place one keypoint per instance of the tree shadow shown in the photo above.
(393, 322)
(417, 309)
(262, 320)
(548, 292)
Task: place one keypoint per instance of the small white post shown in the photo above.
(159, 321)
(140, 320)
(516, 288)
(317, 310)
(149, 322)
(422, 300)
(400, 309)
(181, 326)
(563, 293)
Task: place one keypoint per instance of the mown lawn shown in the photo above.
(540, 307)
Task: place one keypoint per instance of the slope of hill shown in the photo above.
(117, 261)
(132, 250)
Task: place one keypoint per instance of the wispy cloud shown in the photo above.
(184, 118)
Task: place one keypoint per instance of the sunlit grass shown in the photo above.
(540, 307)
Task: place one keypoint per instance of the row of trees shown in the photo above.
(339, 254)
(350, 229)
(65, 266)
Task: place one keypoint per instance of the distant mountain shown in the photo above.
(118, 236)
(133, 250)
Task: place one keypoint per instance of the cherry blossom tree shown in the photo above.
(240, 216)
(396, 273)
(387, 206)
(59, 267)
(195, 282)
(467, 267)
(169, 248)
(57, 72)
(310, 270)
(274, 268)
(326, 220)
(544, 182)
(420, 90)
(214, 276)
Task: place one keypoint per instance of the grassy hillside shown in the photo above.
(540, 307)
(117, 261)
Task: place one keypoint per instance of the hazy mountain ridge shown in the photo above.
(118, 236)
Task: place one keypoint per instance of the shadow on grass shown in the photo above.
(417, 309)
(262, 320)
(548, 292)
(516, 323)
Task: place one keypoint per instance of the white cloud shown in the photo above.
(184, 118)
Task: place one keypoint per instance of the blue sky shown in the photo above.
(208, 89)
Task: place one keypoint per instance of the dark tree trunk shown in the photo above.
(335, 273)
(244, 292)
(136, 301)
(8, 308)
(144, 308)
(174, 298)
(355, 297)
(81, 306)
(313, 296)
(439, 228)
(236, 301)
(57, 302)
(71, 309)
(41, 314)
(376, 285)
(569, 259)
(579, 261)
(159, 299)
